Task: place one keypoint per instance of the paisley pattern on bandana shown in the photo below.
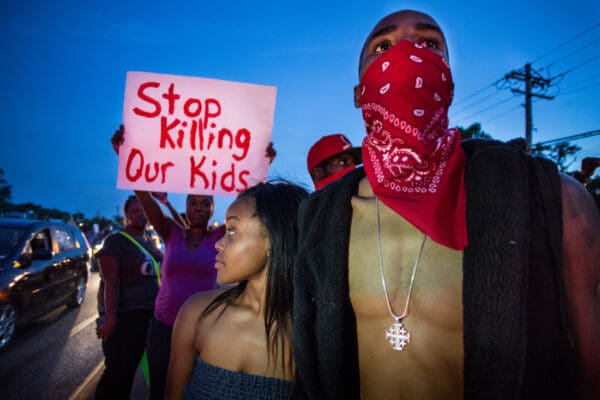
(400, 167)
(409, 153)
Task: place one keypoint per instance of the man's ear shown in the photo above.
(357, 96)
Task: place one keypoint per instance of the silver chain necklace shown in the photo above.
(396, 335)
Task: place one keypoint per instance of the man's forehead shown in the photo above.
(405, 19)
(199, 197)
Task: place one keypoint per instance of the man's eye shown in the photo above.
(230, 232)
(382, 47)
(431, 43)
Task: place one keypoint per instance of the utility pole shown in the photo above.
(532, 80)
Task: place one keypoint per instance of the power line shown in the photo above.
(589, 60)
(571, 138)
(586, 80)
(486, 108)
(586, 83)
(577, 50)
(596, 25)
(501, 114)
(476, 102)
(493, 84)
(578, 89)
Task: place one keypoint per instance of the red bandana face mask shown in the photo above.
(414, 163)
(333, 177)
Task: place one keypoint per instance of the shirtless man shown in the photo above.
(468, 289)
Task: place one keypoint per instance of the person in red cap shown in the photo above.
(330, 158)
(442, 269)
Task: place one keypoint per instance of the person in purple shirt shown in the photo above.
(187, 268)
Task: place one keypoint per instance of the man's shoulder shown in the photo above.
(494, 154)
(474, 146)
(575, 197)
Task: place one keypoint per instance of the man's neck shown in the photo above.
(365, 189)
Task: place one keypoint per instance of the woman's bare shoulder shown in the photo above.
(202, 299)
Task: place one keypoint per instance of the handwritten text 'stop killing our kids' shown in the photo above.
(194, 135)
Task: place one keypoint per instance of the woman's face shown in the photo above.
(135, 215)
(199, 209)
(243, 251)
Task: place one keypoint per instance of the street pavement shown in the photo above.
(86, 390)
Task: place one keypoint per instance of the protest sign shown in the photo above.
(194, 135)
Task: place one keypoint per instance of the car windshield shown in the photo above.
(9, 240)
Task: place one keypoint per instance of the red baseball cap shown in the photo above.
(329, 146)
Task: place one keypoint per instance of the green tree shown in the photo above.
(29, 209)
(473, 132)
(560, 153)
(78, 217)
(102, 222)
(36, 211)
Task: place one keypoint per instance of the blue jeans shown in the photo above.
(122, 353)
(158, 343)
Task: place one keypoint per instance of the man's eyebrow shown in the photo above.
(420, 26)
(383, 31)
(424, 26)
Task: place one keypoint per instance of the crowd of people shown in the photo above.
(439, 269)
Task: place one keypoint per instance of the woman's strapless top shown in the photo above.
(209, 382)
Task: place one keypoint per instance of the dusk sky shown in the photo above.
(64, 64)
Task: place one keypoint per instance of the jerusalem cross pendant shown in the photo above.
(397, 336)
